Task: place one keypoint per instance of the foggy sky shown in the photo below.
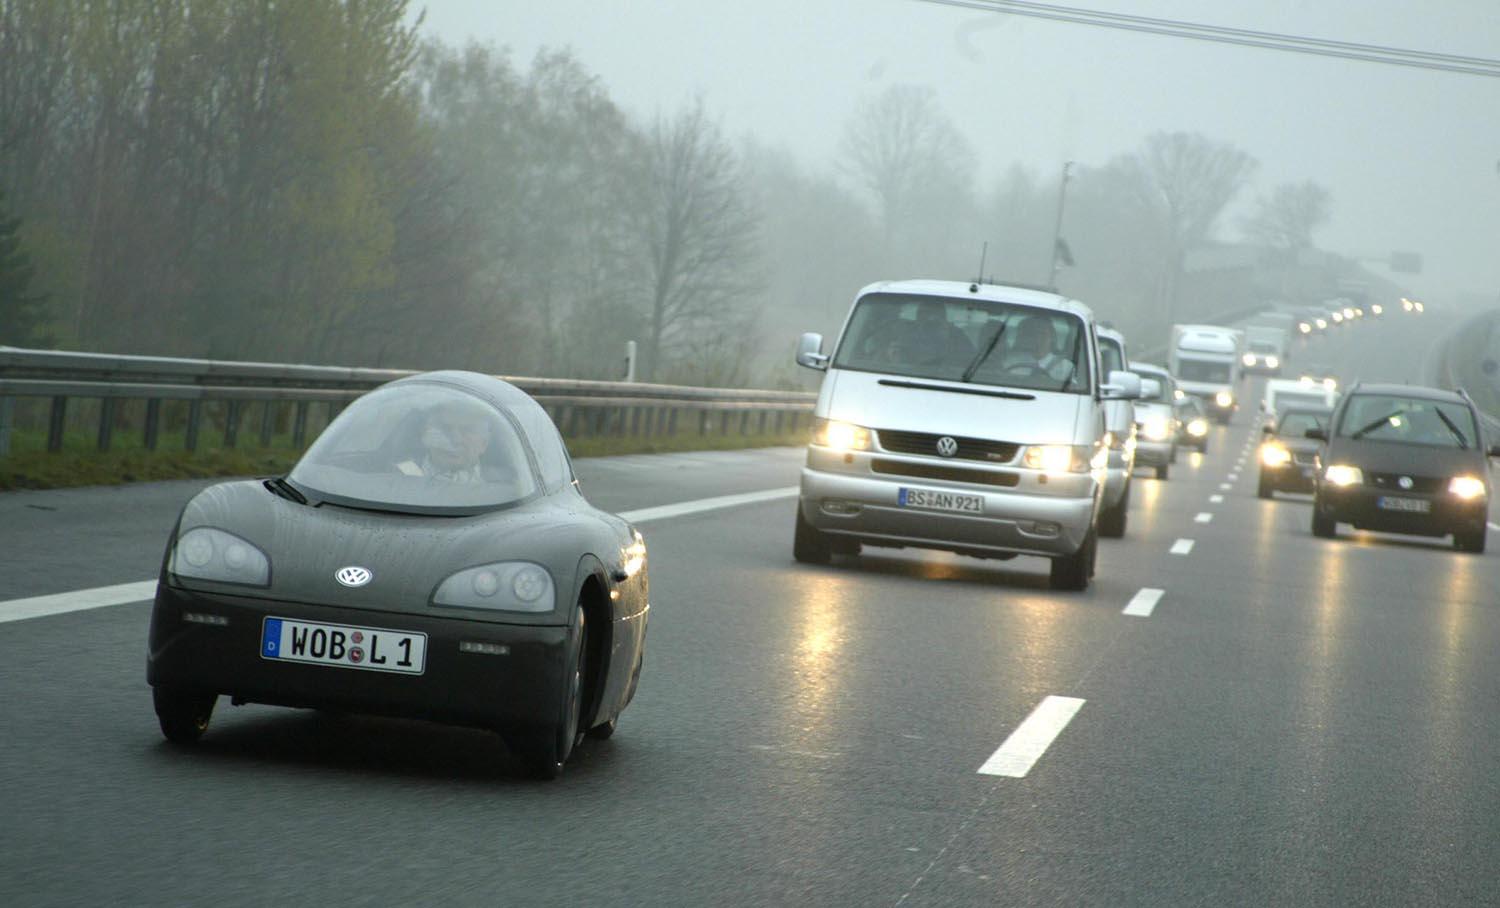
(1409, 155)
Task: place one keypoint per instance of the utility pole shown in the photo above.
(1062, 198)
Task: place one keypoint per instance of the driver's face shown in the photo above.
(467, 438)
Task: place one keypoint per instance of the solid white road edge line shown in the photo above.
(1182, 547)
(121, 594)
(1203, 517)
(1032, 738)
(1143, 603)
(77, 601)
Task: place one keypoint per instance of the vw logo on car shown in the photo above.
(1405, 482)
(947, 446)
(353, 575)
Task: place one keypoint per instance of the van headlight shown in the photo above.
(840, 436)
(1344, 475)
(1466, 487)
(1224, 399)
(505, 586)
(1156, 428)
(1059, 458)
(1273, 362)
(205, 553)
(1198, 427)
(1248, 359)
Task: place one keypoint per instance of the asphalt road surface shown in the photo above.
(1292, 721)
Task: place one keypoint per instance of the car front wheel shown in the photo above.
(545, 750)
(1073, 572)
(809, 546)
(1323, 526)
(1472, 543)
(1112, 520)
(182, 715)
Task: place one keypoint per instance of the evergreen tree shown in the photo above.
(21, 312)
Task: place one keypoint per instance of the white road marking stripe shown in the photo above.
(1182, 547)
(59, 603)
(99, 597)
(1032, 738)
(1216, 499)
(684, 508)
(1233, 477)
(1144, 602)
(1203, 517)
(1226, 486)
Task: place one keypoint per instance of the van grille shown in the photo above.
(1424, 485)
(925, 445)
(950, 474)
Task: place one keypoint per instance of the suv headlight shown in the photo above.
(1274, 455)
(205, 553)
(505, 586)
(1060, 458)
(840, 436)
(1466, 487)
(1342, 474)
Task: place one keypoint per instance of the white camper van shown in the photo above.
(1207, 360)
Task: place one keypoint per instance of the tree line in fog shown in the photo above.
(314, 181)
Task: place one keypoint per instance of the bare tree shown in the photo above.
(1178, 185)
(695, 229)
(1286, 219)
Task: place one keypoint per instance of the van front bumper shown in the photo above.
(1153, 453)
(867, 508)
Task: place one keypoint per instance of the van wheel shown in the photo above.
(1072, 572)
(1162, 471)
(808, 545)
(1472, 543)
(1112, 520)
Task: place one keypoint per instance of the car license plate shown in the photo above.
(1412, 505)
(928, 500)
(342, 646)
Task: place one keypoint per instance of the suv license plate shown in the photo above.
(341, 646)
(927, 500)
(1412, 505)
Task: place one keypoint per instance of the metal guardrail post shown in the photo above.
(57, 424)
(299, 425)
(153, 423)
(232, 424)
(7, 422)
(194, 423)
(267, 423)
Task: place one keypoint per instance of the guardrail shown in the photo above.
(1454, 372)
(284, 395)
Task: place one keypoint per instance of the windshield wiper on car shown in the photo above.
(1463, 442)
(1376, 424)
(979, 391)
(984, 354)
(280, 486)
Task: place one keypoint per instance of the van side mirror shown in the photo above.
(1316, 434)
(1267, 429)
(810, 351)
(1122, 386)
(1150, 388)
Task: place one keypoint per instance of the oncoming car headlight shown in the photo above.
(1273, 362)
(841, 436)
(505, 586)
(1342, 474)
(1060, 458)
(1224, 399)
(205, 553)
(1274, 455)
(1156, 428)
(1466, 487)
(1248, 359)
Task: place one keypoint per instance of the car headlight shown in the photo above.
(1156, 428)
(1248, 359)
(1060, 458)
(1273, 362)
(1377, 309)
(1179, 394)
(1274, 455)
(1330, 384)
(1466, 487)
(205, 553)
(1322, 324)
(840, 436)
(1338, 317)
(505, 586)
(1304, 327)
(1224, 399)
(1342, 474)
(1198, 427)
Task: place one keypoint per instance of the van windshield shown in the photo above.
(1206, 371)
(980, 341)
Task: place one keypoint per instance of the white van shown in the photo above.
(962, 417)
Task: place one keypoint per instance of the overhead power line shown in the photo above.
(1243, 37)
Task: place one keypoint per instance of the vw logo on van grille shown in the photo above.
(1405, 482)
(947, 446)
(354, 576)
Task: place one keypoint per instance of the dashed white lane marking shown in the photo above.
(1233, 477)
(1143, 603)
(1182, 547)
(59, 603)
(684, 508)
(1216, 499)
(1226, 486)
(1203, 517)
(1032, 738)
(121, 594)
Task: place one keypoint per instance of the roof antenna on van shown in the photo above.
(984, 251)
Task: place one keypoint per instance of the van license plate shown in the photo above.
(1411, 505)
(369, 648)
(927, 500)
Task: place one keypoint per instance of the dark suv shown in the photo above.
(1404, 459)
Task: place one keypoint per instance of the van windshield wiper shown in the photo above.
(985, 353)
(1463, 442)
